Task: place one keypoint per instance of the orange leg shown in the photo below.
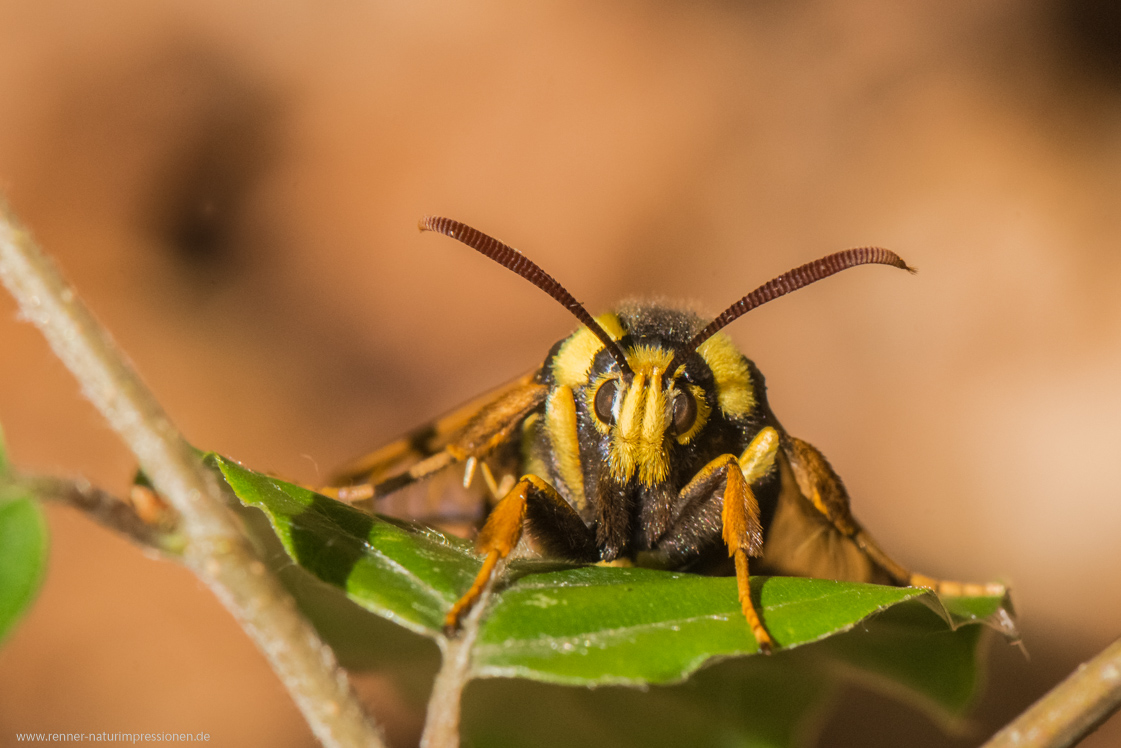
(465, 603)
(766, 643)
(903, 577)
(742, 529)
(744, 536)
(501, 533)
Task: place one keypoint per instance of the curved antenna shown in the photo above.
(789, 281)
(510, 258)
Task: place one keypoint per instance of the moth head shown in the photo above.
(643, 413)
(650, 395)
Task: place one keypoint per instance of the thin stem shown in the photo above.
(107, 510)
(216, 550)
(441, 724)
(1071, 710)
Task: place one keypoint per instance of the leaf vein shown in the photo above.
(600, 638)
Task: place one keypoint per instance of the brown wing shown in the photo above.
(813, 532)
(483, 433)
(422, 442)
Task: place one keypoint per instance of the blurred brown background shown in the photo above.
(234, 188)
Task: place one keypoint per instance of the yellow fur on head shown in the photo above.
(645, 411)
(574, 359)
(638, 440)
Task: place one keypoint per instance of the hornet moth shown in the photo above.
(645, 437)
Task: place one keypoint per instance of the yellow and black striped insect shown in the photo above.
(645, 437)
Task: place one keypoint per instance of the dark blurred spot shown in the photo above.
(211, 165)
(1091, 32)
(206, 187)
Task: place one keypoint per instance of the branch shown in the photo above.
(1071, 710)
(216, 549)
(157, 533)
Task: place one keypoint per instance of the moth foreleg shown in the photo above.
(551, 521)
(742, 529)
(755, 462)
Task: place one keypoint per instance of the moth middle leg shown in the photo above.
(533, 505)
(721, 492)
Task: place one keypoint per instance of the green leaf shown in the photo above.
(23, 547)
(23, 553)
(756, 702)
(599, 626)
(407, 574)
(910, 647)
(361, 641)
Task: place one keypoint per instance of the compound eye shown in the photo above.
(605, 400)
(684, 411)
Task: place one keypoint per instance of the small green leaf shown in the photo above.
(23, 557)
(23, 547)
